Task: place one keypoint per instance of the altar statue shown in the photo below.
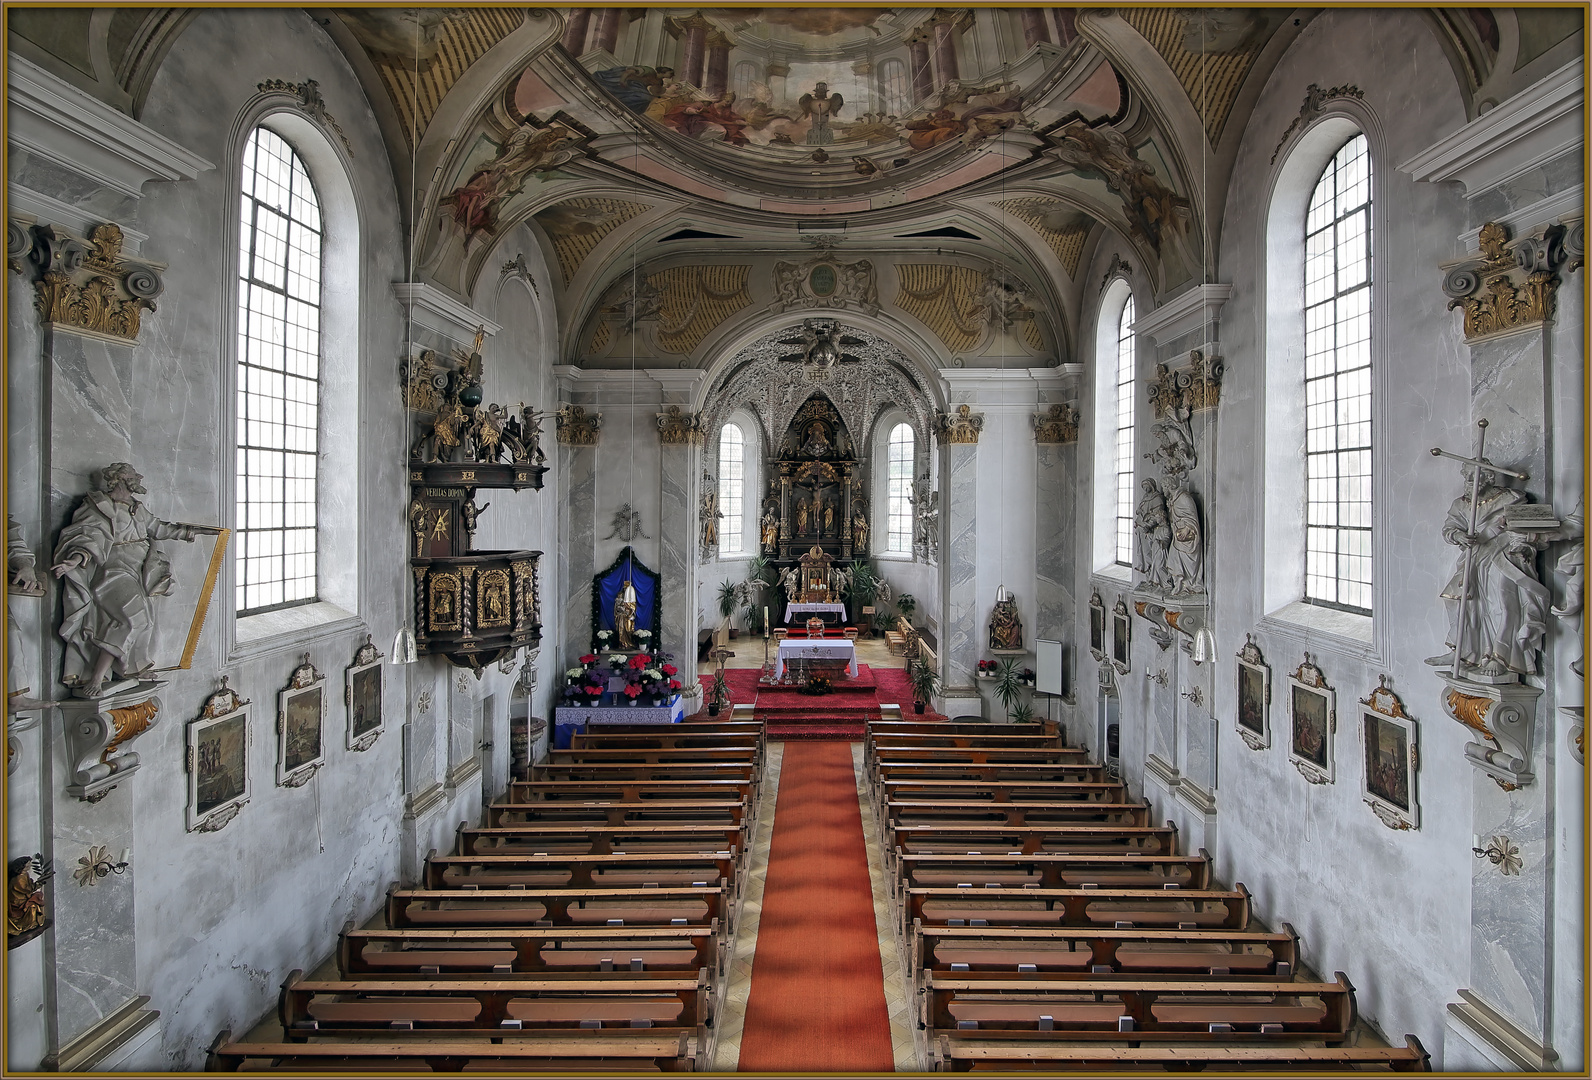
(770, 529)
(111, 570)
(801, 517)
(859, 531)
(625, 616)
(829, 517)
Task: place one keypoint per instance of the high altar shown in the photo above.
(819, 494)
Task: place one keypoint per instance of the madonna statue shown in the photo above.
(625, 616)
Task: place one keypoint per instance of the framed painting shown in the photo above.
(1388, 741)
(1121, 636)
(1312, 722)
(1254, 696)
(362, 696)
(217, 761)
(300, 725)
(1097, 628)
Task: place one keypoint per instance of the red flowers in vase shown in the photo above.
(633, 691)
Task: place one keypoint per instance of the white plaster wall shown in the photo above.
(222, 917)
(1388, 908)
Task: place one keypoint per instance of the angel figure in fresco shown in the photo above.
(636, 87)
(820, 107)
(476, 202)
(1155, 212)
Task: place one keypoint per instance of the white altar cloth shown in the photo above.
(793, 610)
(816, 649)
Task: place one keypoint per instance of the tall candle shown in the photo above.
(765, 620)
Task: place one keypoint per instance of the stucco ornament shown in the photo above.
(111, 568)
(1502, 853)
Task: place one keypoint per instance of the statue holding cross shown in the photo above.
(1497, 604)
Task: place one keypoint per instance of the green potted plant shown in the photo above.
(1023, 714)
(925, 683)
(907, 605)
(862, 592)
(719, 695)
(1008, 684)
(729, 600)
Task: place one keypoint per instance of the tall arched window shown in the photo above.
(898, 495)
(743, 78)
(278, 378)
(1122, 466)
(894, 93)
(1337, 383)
(732, 489)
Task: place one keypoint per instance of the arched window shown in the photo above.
(732, 489)
(898, 496)
(1337, 383)
(894, 93)
(744, 78)
(278, 379)
(1122, 461)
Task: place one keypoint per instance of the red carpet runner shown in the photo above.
(817, 999)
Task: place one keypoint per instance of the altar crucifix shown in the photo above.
(1497, 604)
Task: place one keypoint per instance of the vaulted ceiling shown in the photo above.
(686, 144)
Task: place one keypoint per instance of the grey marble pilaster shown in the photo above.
(959, 558)
(678, 529)
(1055, 540)
(577, 470)
(1163, 740)
(463, 717)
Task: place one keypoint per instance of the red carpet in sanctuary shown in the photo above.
(817, 999)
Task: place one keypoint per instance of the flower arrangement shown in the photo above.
(589, 659)
(987, 669)
(1028, 676)
(604, 635)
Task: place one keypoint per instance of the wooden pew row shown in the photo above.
(601, 1051)
(663, 736)
(534, 792)
(873, 743)
(495, 1009)
(604, 754)
(902, 813)
(1138, 1010)
(474, 952)
(1209, 909)
(968, 1054)
(951, 727)
(738, 813)
(630, 773)
(1063, 839)
(1092, 952)
(587, 838)
(1081, 784)
(1139, 871)
(476, 908)
(580, 871)
(988, 774)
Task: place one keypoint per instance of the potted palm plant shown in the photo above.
(729, 600)
(907, 605)
(719, 695)
(925, 683)
(1009, 684)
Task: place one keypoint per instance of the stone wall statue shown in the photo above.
(710, 520)
(1005, 627)
(1185, 559)
(1497, 606)
(769, 529)
(1152, 534)
(111, 569)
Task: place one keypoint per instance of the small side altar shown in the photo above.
(569, 721)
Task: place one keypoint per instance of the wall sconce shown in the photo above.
(1204, 646)
(403, 647)
(97, 864)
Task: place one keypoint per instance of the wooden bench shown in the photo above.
(1203, 909)
(599, 811)
(1135, 870)
(1074, 782)
(955, 727)
(473, 908)
(631, 772)
(1010, 815)
(508, 951)
(579, 871)
(589, 838)
(1138, 1010)
(1066, 839)
(1096, 951)
(535, 792)
(655, 755)
(386, 1007)
(664, 736)
(966, 1054)
(547, 1052)
(987, 774)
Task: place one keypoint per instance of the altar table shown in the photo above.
(793, 610)
(570, 720)
(816, 649)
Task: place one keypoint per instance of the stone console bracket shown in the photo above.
(98, 731)
(1503, 716)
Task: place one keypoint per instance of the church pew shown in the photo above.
(511, 1009)
(873, 742)
(1135, 1010)
(1061, 811)
(654, 755)
(965, 1052)
(588, 838)
(474, 952)
(686, 727)
(601, 1051)
(580, 871)
(983, 755)
(535, 792)
(473, 908)
(605, 812)
(1062, 837)
(1072, 782)
(606, 740)
(986, 774)
(1095, 951)
(953, 727)
(1207, 909)
(1135, 870)
(631, 771)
